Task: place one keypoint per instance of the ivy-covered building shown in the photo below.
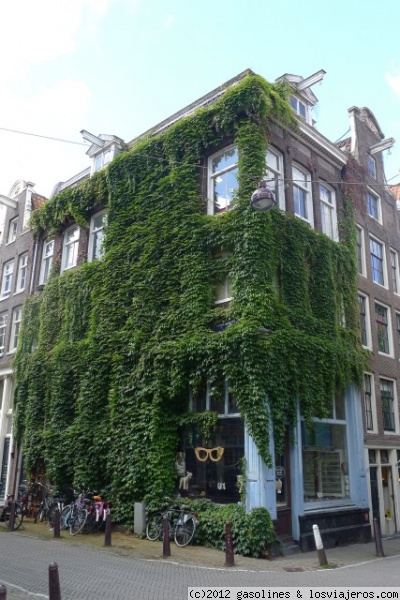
(204, 348)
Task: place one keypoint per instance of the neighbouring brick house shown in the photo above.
(18, 254)
(378, 245)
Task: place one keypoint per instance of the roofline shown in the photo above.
(205, 100)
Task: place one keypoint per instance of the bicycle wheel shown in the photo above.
(19, 517)
(154, 527)
(77, 521)
(41, 513)
(184, 532)
(65, 516)
(51, 514)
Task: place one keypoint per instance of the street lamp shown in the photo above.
(263, 199)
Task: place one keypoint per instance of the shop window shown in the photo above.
(325, 458)
(213, 466)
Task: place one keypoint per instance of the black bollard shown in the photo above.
(229, 559)
(107, 535)
(54, 582)
(166, 546)
(3, 592)
(57, 523)
(11, 521)
(378, 539)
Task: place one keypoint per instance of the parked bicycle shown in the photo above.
(182, 525)
(6, 513)
(85, 514)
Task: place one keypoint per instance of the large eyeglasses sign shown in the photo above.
(214, 454)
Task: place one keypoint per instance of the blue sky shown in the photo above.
(121, 66)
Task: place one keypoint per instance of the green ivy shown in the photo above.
(110, 351)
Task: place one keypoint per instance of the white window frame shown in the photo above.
(212, 176)
(339, 501)
(397, 317)
(302, 181)
(375, 196)
(22, 273)
(12, 230)
(93, 234)
(394, 270)
(70, 248)
(395, 431)
(361, 252)
(300, 107)
(328, 212)
(277, 174)
(47, 261)
(383, 258)
(372, 399)
(6, 282)
(367, 321)
(15, 328)
(226, 414)
(3, 333)
(389, 329)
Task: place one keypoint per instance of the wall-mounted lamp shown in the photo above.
(263, 199)
(380, 146)
(93, 139)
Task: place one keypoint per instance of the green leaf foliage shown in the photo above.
(110, 351)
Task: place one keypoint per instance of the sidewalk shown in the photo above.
(129, 544)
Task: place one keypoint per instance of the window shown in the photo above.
(15, 327)
(298, 106)
(388, 404)
(22, 272)
(369, 402)
(223, 291)
(275, 172)
(364, 321)
(8, 270)
(360, 251)
(374, 206)
(12, 231)
(328, 212)
(394, 268)
(3, 327)
(325, 458)
(302, 195)
(47, 261)
(102, 159)
(222, 179)
(398, 331)
(371, 166)
(377, 251)
(383, 328)
(215, 463)
(70, 248)
(97, 224)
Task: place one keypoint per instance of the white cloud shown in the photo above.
(393, 79)
(169, 21)
(43, 30)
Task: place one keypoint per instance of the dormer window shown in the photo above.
(298, 106)
(104, 148)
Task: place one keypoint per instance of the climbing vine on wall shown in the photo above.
(110, 351)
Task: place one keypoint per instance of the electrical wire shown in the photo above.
(201, 166)
(46, 137)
